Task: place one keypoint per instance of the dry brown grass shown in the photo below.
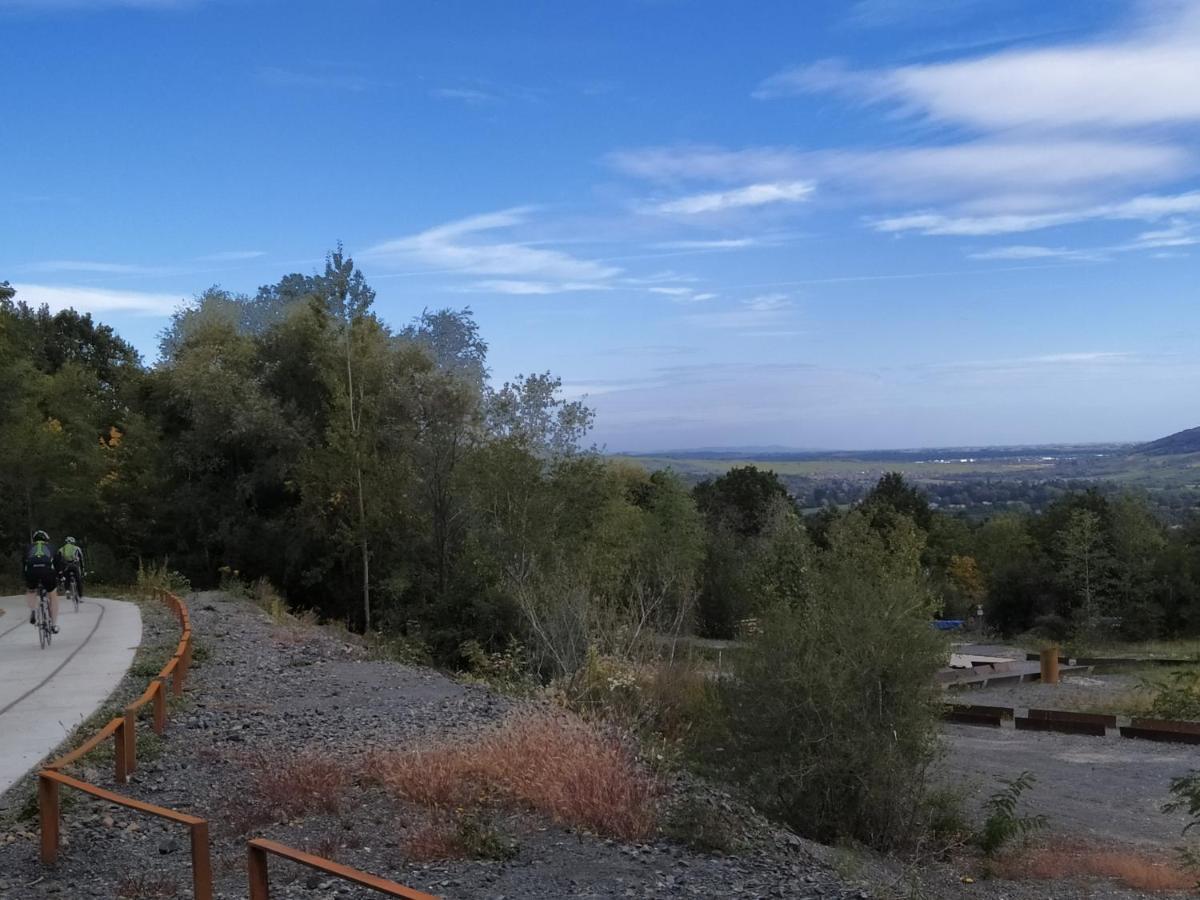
(1135, 869)
(575, 772)
(285, 786)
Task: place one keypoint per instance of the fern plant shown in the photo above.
(1186, 790)
(1002, 824)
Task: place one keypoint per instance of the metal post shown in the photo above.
(160, 706)
(130, 730)
(202, 880)
(260, 888)
(48, 814)
(1050, 665)
(121, 752)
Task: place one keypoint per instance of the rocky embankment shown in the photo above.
(262, 692)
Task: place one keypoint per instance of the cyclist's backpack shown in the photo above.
(70, 552)
(40, 555)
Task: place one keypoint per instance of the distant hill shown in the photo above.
(1180, 442)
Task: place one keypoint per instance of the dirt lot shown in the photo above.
(1106, 789)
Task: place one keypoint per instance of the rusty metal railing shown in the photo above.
(49, 814)
(260, 848)
(123, 731)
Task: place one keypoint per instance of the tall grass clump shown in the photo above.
(576, 773)
(833, 709)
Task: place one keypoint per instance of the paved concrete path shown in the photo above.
(44, 694)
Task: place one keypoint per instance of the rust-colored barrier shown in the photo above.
(260, 889)
(123, 731)
(49, 813)
(971, 717)
(1004, 712)
(1058, 715)
(1095, 729)
(1163, 730)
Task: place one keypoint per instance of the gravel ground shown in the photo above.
(260, 690)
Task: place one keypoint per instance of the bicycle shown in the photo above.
(42, 618)
(71, 586)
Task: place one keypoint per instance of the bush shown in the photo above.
(1052, 627)
(1002, 823)
(1179, 696)
(834, 712)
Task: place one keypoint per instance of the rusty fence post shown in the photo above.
(177, 677)
(160, 706)
(202, 880)
(130, 733)
(48, 814)
(121, 752)
(260, 887)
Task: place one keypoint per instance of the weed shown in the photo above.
(147, 887)
(1179, 696)
(1002, 823)
(461, 835)
(573, 771)
(702, 827)
(289, 785)
(160, 577)
(508, 671)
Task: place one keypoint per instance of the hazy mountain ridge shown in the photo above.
(1177, 444)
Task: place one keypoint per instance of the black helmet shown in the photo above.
(40, 535)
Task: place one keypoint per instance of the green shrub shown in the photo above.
(1186, 791)
(1179, 696)
(834, 712)
(1002, 824)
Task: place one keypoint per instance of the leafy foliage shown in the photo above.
(1003, 825)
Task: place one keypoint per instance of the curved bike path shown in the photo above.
(44, 694)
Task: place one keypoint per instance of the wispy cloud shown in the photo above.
(96, 300)
(1146, 77)
(458, 247)
(318, 79)
(462, 95)
(96, 268)
(764, 314)
(1149, 207)
(232, 256)
(58, 5)
(748, 196)
(516, 287)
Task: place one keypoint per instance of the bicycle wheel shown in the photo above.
(74, 588)
(43, 624)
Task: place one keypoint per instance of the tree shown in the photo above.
(1085, 565)
(893, 496)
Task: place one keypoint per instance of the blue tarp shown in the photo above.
(948, 624)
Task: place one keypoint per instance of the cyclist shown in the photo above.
(39, 572)
(68, 562)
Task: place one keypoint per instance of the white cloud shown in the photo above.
(98, 268)
(1146, 77)
(1023, 251)
(455, 248)
(693, 162)
(56, 5)
(96, 300)
(748, 196)
(718, 244)
(1144, 208)
(767, 312)
(462, 95)
(509, 286)
(232, 255)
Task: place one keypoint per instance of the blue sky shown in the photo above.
(884, 223)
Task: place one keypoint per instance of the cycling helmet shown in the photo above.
(40, 535)
(70, 540)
